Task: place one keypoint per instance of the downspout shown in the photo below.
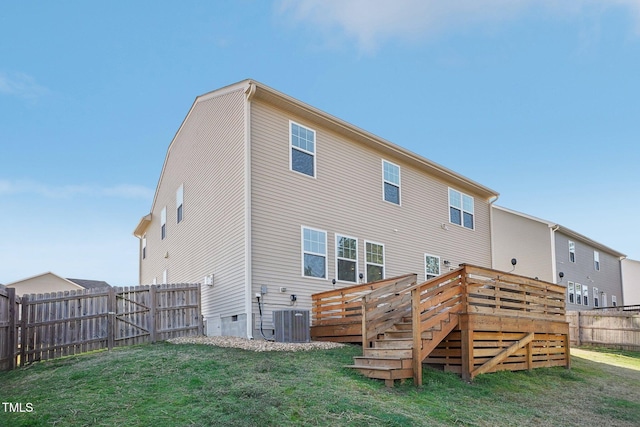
(493, 254)
(554, 266)
(249, 92)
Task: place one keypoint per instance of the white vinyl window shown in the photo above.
(144, 246)
(578, 293)
(163, 223)
(431, 266)
(596, 299)
(461, 209)
(614, 301)
(179, 203)
(571, 292)
(165, 277)
(347, 258)
(375, 261)
(604, 299)
(391, 182)
(572, 251)
(314, 253)
(585, 295)
(302, 141)
(596, 260)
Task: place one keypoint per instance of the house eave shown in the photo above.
(142, 226)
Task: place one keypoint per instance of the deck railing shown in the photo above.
(345, 304)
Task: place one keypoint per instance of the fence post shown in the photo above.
(111, 318)
(578, 333)
(152, 312)
(12, 338)
(24, 341)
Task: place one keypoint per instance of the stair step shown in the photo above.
(402, 326)
(393, 343)
(383, 373)
(382, 362)
(388, 352)
(398, 334)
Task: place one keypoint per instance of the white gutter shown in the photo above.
(554, 268)
(493, 254)
(251, 89)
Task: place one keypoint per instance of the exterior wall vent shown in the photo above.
(291, 325)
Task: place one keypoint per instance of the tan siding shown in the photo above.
(45, 283)
(631, 281)
(207, 156)
(346, 198)
(527, 240)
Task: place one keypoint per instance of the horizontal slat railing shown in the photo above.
(345, 304)
(386, 306)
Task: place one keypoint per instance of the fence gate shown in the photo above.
(133, 322)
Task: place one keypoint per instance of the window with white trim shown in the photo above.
(391, 182)
(179, 203)
(596, 298)
(314, 253)
(347, 258)
(302, 143)
(614, 301)
(578, 293)
(585, 295)
(375, 261)
(431, 266)
(572, 251)
(461, 209)
(596, 260)
(165, 277)
(604, 299)
(571, 292)
(163, 223)
(144, 246)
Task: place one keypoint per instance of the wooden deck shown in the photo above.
(470, 321)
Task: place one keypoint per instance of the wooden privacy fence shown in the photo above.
(619, 329)
(47, 326)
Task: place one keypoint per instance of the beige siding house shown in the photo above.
(261, 194)
(50, 282)
(591, 271)
(631, 281)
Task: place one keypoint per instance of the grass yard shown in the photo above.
(196, 385)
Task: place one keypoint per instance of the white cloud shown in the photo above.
(21, 85)
(372, 22)
(124, 191)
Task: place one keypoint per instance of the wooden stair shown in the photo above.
(390, 357)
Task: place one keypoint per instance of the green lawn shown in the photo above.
(183, 385)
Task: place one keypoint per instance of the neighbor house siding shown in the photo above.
(207, 158)
(345, 197)
(631, 281)
(527, 240)
(608, 279)
(44, 283)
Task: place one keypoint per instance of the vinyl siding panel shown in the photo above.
(207, 156)
(631, 281)
(524, 239)
(582, 271)
(346, 197)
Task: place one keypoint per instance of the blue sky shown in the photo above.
(536, 99)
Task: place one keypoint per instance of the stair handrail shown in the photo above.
(430, 302)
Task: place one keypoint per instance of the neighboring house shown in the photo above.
(590, 271)
(50, 282)
(631, 281)
(261, 194)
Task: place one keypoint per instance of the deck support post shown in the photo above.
(417, 337)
